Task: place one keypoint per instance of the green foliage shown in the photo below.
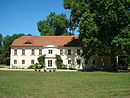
(31, 67)
(7, 41)
(41, 60)
(59, 62)
(37, 66)
(103, 26)
(1, 43)
(54, 25)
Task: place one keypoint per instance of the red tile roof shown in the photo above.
(67, 41)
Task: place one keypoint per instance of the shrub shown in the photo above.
(41, 60)
(31, 67)
(58, 61)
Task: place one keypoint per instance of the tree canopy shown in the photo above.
(103, 25)
(0, 43)
(7, 41)
(54, 25)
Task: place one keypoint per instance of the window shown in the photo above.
(50, 51)
(78, 51)
(40, 51)
(69, 52)
(23, 61)
(33, 52)
(23, 51)
(28, 43)
(93, 61)
(61, 52)
(32, 61)
(15, 51)
(49, 63)
(69, 61)
(15, 61)
(78, 61)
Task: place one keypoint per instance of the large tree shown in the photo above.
(7, 41)
(54, 25)
(103, 26)
(0, 42)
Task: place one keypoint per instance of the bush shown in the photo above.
(31, 67)
(41, 60)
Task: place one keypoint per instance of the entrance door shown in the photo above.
(49, 63)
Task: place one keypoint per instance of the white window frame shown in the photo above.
(50, 52)
(61, 51)
(40, 51)
(32, 61)
(33, 52)
(49, 63)
(15, 61)
(69, 52)
(23, 51)
(15, 51)
(23, 61)
(69, 62)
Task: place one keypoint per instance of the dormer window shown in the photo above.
(28, 43)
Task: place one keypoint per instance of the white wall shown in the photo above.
(56, 50)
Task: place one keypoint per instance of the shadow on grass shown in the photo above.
(110, 70)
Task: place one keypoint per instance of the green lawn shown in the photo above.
(14, 84)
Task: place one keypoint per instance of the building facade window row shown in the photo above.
(69, 52)
(23, 62)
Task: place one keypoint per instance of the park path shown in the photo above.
(8, 69)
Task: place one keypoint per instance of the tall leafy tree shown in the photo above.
(103, 26)
(7, 41)
(0, 48)
(54, 25)
(0, 42)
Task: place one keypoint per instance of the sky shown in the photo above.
(21, 16)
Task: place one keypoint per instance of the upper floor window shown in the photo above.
(23, 61)
(23, 51)
(78, 61)
(78, 51)
(49, 63)
(15, 61)
(69, 52)
(49, 51)
(15, 51)
(40, 51)
(33, 52)
(32, 61)
(69, 61)
(61, 52)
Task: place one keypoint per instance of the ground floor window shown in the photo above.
(69, 61)
(78, 61)
(49, 63)
(15, 61)
(32, 61)
(23, 61)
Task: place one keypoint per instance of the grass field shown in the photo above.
(14, 84)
